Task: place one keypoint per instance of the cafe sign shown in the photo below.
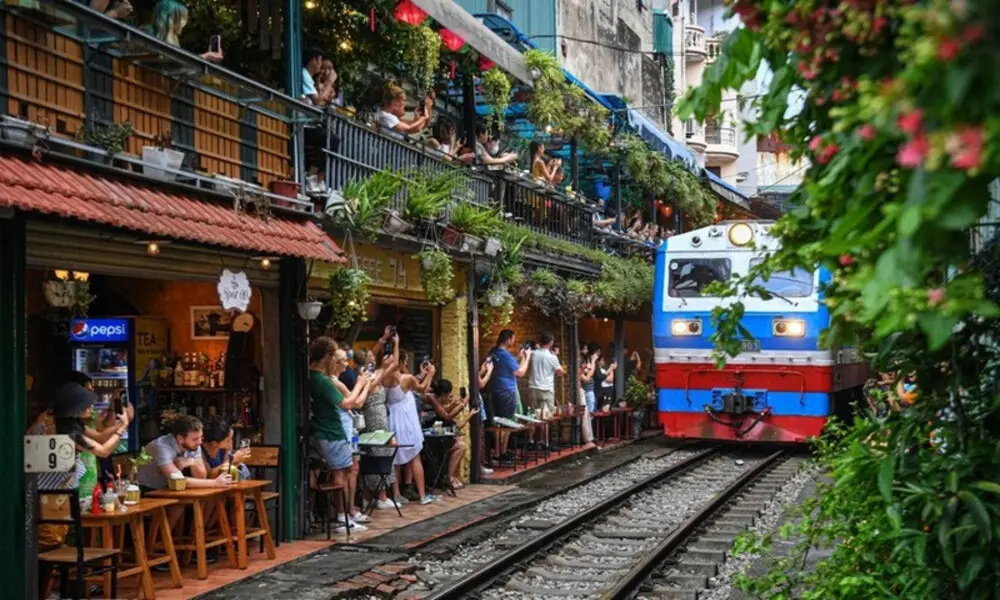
(234, 290)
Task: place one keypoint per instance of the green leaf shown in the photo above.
(958, 81)
(970, 569)
(978, 513)
(944, 530)
(938, 328)
(987, 486)
(920, 549)
(885, 473)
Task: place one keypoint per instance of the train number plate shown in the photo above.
(750, 346)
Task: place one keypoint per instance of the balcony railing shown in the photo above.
(546, 211)
(714, 48)
(694, 42)
(357, 150)
(720, 136)
(694, 132)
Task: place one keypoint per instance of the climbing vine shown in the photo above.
(899, 123)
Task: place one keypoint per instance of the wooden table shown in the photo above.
(199, 499)
(239, 491)
(133, 517)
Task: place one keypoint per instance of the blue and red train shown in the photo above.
(782, 386)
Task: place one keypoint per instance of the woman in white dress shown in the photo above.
(404, 420)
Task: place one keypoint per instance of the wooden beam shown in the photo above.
(450, 14)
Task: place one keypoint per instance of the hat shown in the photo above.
(71, 400)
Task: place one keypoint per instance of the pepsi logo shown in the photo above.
(79, 329)
(99, 330)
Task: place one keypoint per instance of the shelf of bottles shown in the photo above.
(196, 385)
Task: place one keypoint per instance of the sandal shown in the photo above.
(456, 484)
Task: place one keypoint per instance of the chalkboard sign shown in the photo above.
(416, 331)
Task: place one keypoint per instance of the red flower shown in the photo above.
(935, 296)
(792, 17)
(848, 83)
(948, 49)
(807, 71)
(911, 122)
(828, 153)
(966, 148)
(815, 143)
(867, 132)
(972, 33)
(879, 24)
(913, 152)
(846, 260)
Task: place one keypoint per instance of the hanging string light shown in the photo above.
(451, 40)
(371, 19)
(409, 13)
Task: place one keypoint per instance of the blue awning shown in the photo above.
(726, 191)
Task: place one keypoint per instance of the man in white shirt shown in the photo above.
(541, 375)
(390, 116)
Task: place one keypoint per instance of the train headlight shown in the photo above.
(685, 327)
(740, 234)
(789, 328)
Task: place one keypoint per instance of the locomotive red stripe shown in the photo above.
(779, 378)
(789, 429)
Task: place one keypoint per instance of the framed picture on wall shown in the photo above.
(210, 323)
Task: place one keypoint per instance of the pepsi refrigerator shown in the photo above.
(122, 355)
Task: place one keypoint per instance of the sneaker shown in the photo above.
(429, 498)
(384, 505)
(354, 527)
(361, 518)
(401, 500)
(486, 470)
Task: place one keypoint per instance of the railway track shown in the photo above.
(610, 550)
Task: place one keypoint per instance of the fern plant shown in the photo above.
(474, 220)
(367, 200)
(429, 194)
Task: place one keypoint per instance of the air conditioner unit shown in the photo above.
(742, 176)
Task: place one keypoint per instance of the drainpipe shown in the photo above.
(475, 399)
(292, 363)
(620, 357)
(469, 108)
(574, 164)
(292, 59)
(19, 569)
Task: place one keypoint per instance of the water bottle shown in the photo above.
(354, 441)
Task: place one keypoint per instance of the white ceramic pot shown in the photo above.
(471, 243)
(395, 224)
(493, 246)
(158, 159)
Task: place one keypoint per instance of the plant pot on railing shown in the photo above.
(286, 188)
(493, 247)
(19, 131)
(451, 236)
(395, 224)
(158, 159)
(471, 243)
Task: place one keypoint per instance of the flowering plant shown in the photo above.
(898, 121)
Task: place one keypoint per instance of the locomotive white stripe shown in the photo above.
(813, 358)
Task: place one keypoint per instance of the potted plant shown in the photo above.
(286, 186)
(349, 296)
(22, 132)
(160, 156)
(112, 137)
(474, 223)
(498, 308)
(637, 396)
(429, 194)
(368, 200)
(73, 294)
(496, 91)
(436, 276)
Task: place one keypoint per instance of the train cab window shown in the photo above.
(797, 283)
(689, 276)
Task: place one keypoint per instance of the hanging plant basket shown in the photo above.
(496, 296)
(60, 294)
(436, 276)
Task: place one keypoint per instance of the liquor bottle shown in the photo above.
(179, 377)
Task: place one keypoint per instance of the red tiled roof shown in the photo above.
(58, 190)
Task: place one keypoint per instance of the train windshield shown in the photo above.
(690, 276)
(797, 283)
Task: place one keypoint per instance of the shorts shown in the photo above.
(504, 404)
(338, 454)
(539, 399)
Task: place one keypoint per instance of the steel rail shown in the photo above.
(469, 583)
(627, 586)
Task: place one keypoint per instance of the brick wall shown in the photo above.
(454, 336)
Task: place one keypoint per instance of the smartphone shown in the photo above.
(489, 360)
(463, 393)
(215, 43)
(371, 367)
(244, 443)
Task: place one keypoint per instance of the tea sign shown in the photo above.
(234, 290)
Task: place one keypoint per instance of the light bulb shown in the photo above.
(62, 275)
(152, 249)
(81, 275)
(548, 129)
(345, 45)
(265, 263)
(310, 5)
